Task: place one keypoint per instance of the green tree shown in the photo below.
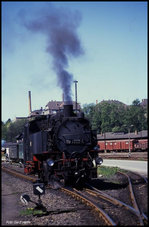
(11, 129)
(136, 102)
(5, 127)
(137, 116)
(115, 116)
(4, 130)
(96, 119)
(88, 110)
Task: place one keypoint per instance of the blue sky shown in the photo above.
(114, 64)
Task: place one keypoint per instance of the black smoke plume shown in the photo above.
(60, 28)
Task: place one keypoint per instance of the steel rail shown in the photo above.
(77, 194)
(113, 200)
(17, 174)
(138, 174)
(135, 205)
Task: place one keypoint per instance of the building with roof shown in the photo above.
(144, 102)
(55, 106)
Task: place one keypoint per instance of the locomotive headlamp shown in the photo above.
(50, 162)
(99, 161)
(76, 173)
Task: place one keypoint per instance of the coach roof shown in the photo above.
(133, 135)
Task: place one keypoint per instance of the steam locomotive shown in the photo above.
(61, 146)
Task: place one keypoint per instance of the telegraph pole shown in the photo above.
(75, 81)
(129, 139)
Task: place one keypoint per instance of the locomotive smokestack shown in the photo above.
(30, 107)
(68, 109)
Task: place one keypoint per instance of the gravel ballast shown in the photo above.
(64, 210)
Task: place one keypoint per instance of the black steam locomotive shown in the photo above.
(61, 147)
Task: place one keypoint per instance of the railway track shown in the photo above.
(111, 210)
(71, 192)
(79, 195)
(115, 208)
(19, 174)
(132, 180)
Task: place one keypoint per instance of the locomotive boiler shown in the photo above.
(61, 146)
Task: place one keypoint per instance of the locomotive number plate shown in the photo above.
(74, 141)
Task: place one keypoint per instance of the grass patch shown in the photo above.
(141, 159)
(107, 171)
(31, 211)
(28, 211)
